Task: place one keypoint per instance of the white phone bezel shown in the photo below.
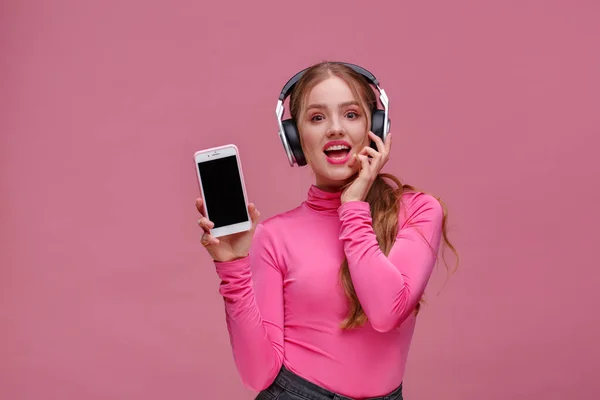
(214, 154)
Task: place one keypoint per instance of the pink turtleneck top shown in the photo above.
(284, 302)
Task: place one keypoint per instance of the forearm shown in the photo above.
(389, 287)
(257, 350)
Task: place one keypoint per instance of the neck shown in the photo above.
(329, 188)
(324, 200)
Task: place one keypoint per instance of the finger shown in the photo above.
(370, 152)
(208, 240)
(200, 205)
(364, 165)
(205, 224)
(352, 160)
(363, 150)
(254, 214)
(378, 142)
(373, 157)
(388, 142)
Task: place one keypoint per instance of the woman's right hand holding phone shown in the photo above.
(230, 247)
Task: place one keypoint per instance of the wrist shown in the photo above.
(345, 200)
(351, 206)
(350, 199)
(230, 259)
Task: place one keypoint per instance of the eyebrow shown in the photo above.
(345, 104)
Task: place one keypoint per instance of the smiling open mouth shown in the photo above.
(337, 152)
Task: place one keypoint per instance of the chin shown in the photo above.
(341, 176)
(334, 177)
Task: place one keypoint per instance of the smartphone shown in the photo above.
(222, 188)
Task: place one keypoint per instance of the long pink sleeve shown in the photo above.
(390, 287)
(253, 291)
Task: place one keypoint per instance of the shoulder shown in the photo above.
(418, 206)
(269, 241)
(281, 220)
(271, 229)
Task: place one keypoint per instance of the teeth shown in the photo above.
(337, 147)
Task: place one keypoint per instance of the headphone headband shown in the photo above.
(294, 79)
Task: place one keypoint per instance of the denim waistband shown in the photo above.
(295, 384)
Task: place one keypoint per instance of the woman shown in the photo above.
(321, 300)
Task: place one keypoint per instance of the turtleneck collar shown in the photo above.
(322, 201)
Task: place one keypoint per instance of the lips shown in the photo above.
(337, 151)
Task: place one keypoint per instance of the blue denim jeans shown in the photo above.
(289, 386)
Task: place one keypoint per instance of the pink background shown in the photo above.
(105, 291)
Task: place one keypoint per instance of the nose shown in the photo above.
(335, 127)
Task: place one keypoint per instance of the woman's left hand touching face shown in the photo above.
(371, 163)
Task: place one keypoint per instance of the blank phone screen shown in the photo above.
(223, 191)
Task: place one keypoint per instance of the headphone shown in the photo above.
(288, 131)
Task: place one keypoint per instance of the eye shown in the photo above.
(316, 118)
(352, 115)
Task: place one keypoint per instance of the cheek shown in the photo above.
(358, 133)
(361, 139)
(309, 141)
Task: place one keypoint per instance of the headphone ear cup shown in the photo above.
(377, 124)
(293, 138)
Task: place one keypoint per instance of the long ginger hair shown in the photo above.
(383, 197)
